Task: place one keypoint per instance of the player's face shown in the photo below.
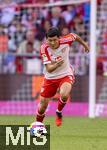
(53, 42)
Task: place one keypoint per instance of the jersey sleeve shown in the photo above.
(69, 38)
(73, 36)
(45, 55)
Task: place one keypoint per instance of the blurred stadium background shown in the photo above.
(23, 24)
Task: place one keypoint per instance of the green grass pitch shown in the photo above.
(75, 133)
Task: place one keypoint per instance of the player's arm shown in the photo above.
(49, 64)
(81, 41)
(54, 65)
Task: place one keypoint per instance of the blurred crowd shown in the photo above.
(22, 30)
(24, 1)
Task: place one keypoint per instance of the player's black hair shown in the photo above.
(53, 31)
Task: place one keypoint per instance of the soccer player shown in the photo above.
(58, 73)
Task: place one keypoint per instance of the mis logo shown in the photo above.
(18, 137)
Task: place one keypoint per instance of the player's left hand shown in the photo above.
(87, 49)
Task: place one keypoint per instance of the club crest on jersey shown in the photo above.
(63, 50)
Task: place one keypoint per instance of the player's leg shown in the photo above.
(48, 90)
(42, 108)
(65, 90)
(38, 128)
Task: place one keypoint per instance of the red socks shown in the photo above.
(61, 105)
(39, 116)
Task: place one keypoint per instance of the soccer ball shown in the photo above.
(37, 129)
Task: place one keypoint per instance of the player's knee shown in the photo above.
(64, 97)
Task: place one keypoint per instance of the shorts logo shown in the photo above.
(72, 79)
(42, 89)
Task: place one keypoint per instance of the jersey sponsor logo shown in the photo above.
(58, 58)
